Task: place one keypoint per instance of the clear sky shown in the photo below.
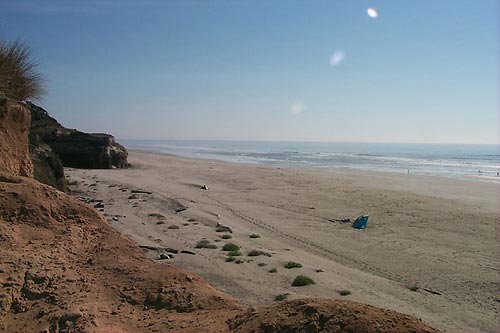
(422, 71)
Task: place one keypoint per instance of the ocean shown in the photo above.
(449, 160)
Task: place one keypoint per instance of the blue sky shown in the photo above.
(423, 71)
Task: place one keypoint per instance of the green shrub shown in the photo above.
(344, 292)
(302, 280)
(273, 270)
(227, 236)
(234, 253)
(262, 264)
(281, 297)
(230, 247)
(292, 264)
(254, 236)
(132, 196)
(230, 259)
(255, 253)
(413, 288)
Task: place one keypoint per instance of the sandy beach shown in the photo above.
(430, 248)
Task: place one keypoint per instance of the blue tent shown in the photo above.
(360, 222)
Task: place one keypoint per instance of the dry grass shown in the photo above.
(19, 78)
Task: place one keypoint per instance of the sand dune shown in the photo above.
(436, 235)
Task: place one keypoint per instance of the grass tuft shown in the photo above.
(281, 297)
(292, 264)
(227, 236)
(230, 247)
(302, 280)
(255, 253)
(19, 78)
(273, 270)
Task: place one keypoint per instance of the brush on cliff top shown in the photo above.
(19, 78)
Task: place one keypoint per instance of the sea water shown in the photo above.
(451, 160)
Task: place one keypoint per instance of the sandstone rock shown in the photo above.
(14, 128)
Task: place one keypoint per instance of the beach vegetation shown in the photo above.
(230, 259)
(132, 196)
(281, 297)
(254, 236)
(173, 226)
(344, 292)
(234, 253)
(255, 253)
(292, 264)
(239, 261)
(262, 264)
(227, 236)
(273, 270)
(19, 78)
(230, 247)
(302, 280)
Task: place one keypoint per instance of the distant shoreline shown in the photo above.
(473, 176)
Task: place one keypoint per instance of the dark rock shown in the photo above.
(47, 167)
(74, 148)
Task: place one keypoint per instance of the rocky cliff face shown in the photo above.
(14, 127)
(74, 148)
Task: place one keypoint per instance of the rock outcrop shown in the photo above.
(14, 127)
(47, 167)
(74, 148)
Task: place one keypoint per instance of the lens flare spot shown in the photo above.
(336, 58)
(372, 12)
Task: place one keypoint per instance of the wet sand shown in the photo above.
(430, 248)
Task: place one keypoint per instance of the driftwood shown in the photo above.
(158, 248)
(141, 192)
(340, 220)
(223, 228)
(431, 291)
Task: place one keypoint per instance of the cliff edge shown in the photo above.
(15, 120)
(76, 149)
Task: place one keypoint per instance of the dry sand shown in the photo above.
(437, 234)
